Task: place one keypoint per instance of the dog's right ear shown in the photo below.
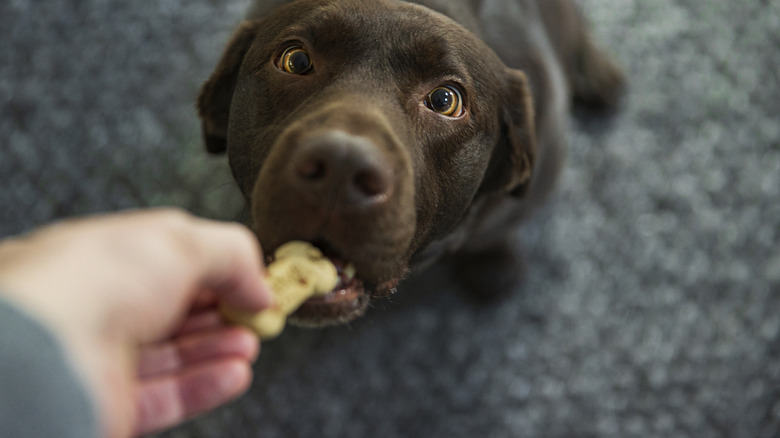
(519, 133)
(217, 93)
(512, 162)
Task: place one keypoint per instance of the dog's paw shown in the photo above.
(598, 81)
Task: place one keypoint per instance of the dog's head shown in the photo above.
(367, 127)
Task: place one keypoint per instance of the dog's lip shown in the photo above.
(338, 304)
(345, 303)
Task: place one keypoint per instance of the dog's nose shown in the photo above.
(342, 169)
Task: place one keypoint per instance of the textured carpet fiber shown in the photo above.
(652, 301)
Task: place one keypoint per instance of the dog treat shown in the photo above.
(298, 272)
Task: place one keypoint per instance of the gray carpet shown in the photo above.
(652, 301)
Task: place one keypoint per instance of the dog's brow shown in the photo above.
(424, 57)
(409, 41)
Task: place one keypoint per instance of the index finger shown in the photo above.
(231, 264)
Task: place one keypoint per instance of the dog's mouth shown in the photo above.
(347, 301)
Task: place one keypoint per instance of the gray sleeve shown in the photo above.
(40, 393)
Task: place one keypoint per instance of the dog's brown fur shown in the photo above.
(436, 184)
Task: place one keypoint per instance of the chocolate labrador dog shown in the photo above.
(389, 133)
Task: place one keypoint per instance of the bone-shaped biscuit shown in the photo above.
(299, 271)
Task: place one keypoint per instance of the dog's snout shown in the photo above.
(337, 167)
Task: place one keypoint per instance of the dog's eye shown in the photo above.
(445, 100)
(295, 60)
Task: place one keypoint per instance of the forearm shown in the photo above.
(40, 393)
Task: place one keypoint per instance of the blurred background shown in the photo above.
(651, 306)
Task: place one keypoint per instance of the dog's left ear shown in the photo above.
(217, 93)
(512, 162)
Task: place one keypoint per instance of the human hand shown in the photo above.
(132, 297)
